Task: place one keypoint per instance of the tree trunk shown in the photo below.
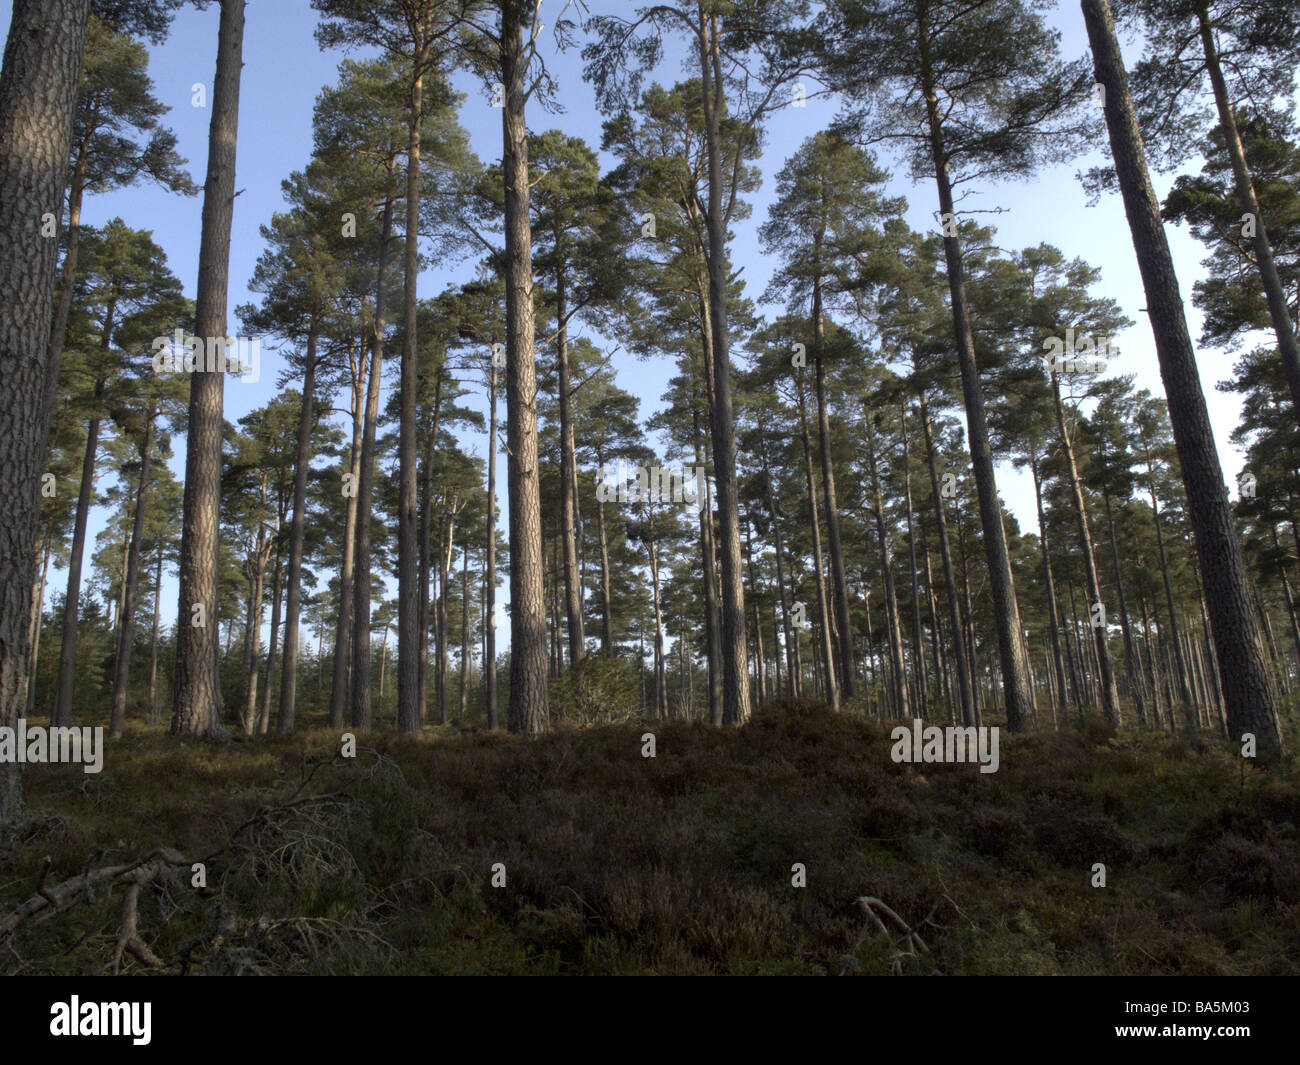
(966, 700)
(735, 688)
(293, 603)
(661, 694)
(409, 634)
(839, 583)
(790, 645)
(830, 687)
(568, 476)
(528, 683)
(343, 623)
(1099, 626)
(196, 707)
(918, 656)
(464, 632)
(1247, 688)
(607, 620)
(490, 583)
(153, 640)
(126, 628)
(426, 546)
(1274, 294)
(62, 713)
(264, 712)
(38, 609)
(362, 707)
(902, 706)
(38, 91)
(444, 572)
(712, 613)
(1132, 667)
(1006, 611)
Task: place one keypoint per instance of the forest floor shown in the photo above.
(681, 863)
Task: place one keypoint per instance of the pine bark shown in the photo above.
(126, 625)
(528, 713)
(1247, 688)
(196, 708)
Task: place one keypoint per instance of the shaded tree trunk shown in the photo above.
(38, 91)
(965, 700)
(62, 713)
(343, 623)
(1099, 626)
(829, 686)
(1006, 611)
(362, 708)
(293, 603)
(568, 477)
(1278, 311)
(735, 687)
(126, 629)
(1247, 688)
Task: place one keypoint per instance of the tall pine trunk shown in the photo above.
(62, 713)
(1006, 611)
(409, 634)
(735, 687)
(196, 704)
(343, 623)
(1247, 688)
(568, 475)
(362, 705)
(1099, 624)
(966, 699)
(490, 578)
(528, 682)
(829, 685)
(38, 91)
(293, 602)
(126, 626)
(1278, 311)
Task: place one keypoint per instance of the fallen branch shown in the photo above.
(909, 936)
(48, 900)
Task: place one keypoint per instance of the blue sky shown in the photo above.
(284, 70)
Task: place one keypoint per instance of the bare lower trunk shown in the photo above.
(126, 629)
(362, 706)
(490, 581)
(293, 604)
(264, 713)
(1097, 609)
(343, 623)
(197, 702)
(830, 687)
(966, 699)
(568, 480)
(902, 705)
(62, 713)
(409, 634)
